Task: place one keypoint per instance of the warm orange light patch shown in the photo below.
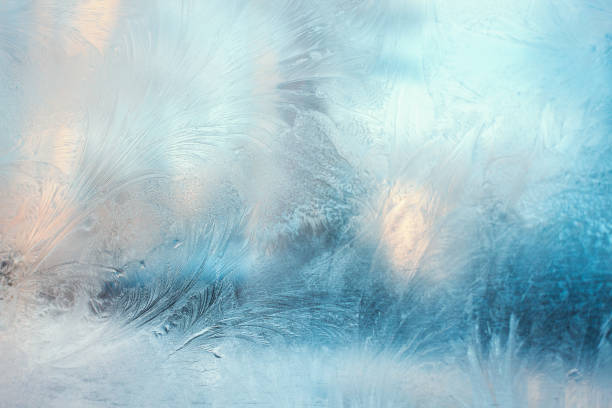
(64, 150)
(407, 227)
(95, 21)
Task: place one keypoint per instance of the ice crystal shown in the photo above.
(394, 203)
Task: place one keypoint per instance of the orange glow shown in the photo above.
(408, 218)
(95, 21)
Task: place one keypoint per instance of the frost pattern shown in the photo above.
(394, 203)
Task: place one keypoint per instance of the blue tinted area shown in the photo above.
(305, 203)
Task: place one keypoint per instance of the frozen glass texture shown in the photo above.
(306, 203)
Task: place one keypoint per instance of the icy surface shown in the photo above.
(346, 203)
